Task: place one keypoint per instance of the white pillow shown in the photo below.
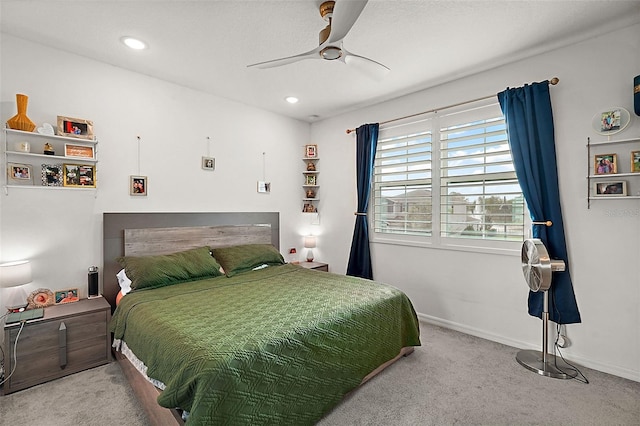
(124, 282)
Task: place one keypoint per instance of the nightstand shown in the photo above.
(69, 338)
(318, 266)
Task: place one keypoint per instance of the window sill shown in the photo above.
(477, 246)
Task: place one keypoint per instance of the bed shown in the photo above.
(256, 344)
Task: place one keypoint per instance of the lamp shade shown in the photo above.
(309, 241)
(13, 274)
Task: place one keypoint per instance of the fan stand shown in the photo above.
(543, 362)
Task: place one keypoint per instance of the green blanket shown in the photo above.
(281, 345)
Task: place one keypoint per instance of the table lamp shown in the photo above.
(14, 275)
(309, 242)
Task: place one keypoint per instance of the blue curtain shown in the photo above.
(529, 118)
(360, 257)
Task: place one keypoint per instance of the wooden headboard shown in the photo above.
(145, 234)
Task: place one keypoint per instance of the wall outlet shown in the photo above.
(563, 341)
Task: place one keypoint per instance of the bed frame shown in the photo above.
(136, 234)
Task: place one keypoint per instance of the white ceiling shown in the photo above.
(207, 44)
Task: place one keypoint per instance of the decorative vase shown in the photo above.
(20, 121)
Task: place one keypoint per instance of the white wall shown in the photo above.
(60, 230)
(485, 294)
(482, 294)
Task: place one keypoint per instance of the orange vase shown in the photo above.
(20, 121)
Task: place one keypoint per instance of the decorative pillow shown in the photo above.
(243, 258)
(158, 271)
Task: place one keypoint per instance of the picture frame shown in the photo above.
(79, 151)
(611, 120)
(610, 188)
(635, 161)
(264, 187)
(68, 295)
(19, 174)
(310, 180)
(52, 175)
(605, 164)
(138, 185)
(79, 176)
(311, 151)
(75, 127)
(208, 163)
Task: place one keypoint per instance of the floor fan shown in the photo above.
(537, 268)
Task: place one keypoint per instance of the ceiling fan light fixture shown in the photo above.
(331, 53)
(134, 43)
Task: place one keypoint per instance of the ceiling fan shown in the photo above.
(341, 16)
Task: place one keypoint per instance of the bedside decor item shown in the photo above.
(79, 151)
(48, 149)
(79, 175)
(52, 175)
(610, 189)
(208, 163)
(75, 127)
(611, 121)
(20, 121)
(635, 161)
(604, 164)
(66, 296)
(310, 243)
(636, 94)
(46, 129)
(92, 283)
(138, 185)
(311, 151)
(13, 276)
(40, 298)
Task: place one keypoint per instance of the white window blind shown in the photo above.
(468, 174)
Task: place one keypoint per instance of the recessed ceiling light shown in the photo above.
(291, 99)
(134, 43)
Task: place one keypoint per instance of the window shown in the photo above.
(450, 176)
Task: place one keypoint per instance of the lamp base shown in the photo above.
(310, 256)
(17, 308)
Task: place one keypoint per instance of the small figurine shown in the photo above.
(311, 167)
(48, 149)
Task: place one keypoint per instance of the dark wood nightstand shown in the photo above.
(318, 266)
(69, 338)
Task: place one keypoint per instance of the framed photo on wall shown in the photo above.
(78, 151)
(75, 127)
(52, 175)
(79, 175)
(635, 161)
(610, 189)
(311, 151)
(138, 185)
(208, 163)
(19, 174)
(604, 164)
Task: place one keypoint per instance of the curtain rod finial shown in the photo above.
(554, 81)
(349, 131)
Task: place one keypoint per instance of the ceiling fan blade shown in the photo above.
(345, 14)
(367, 66)
(312, 54)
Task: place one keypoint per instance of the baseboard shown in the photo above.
(589, 363)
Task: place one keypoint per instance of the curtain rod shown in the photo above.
(553, 81)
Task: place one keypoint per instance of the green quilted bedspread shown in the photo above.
(278, 346)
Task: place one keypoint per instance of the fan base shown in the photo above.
(554, 367)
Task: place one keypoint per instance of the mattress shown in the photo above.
(280, 345)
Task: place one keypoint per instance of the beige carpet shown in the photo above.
(452, 379)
